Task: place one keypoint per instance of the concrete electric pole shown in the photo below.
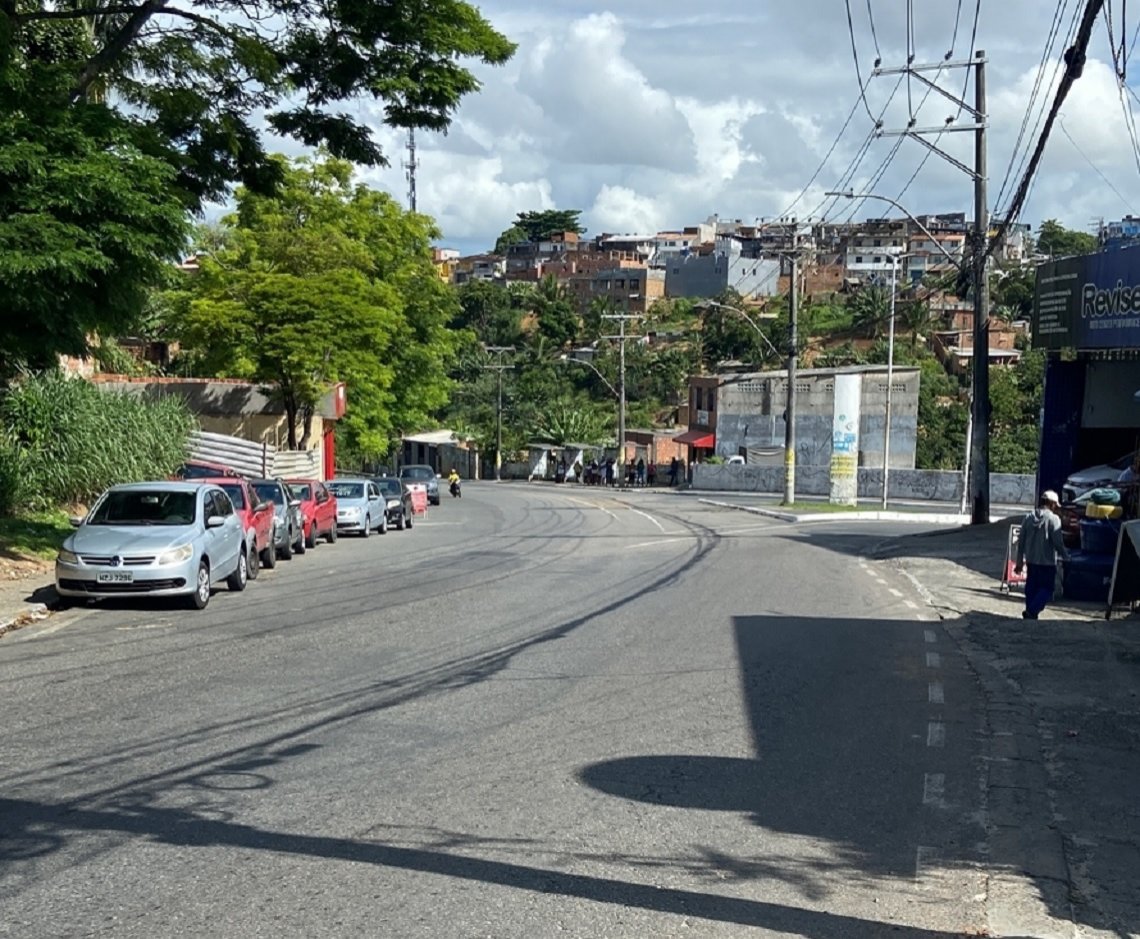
(499, 367)
(790, 404)
(622, 337)
(979, 459)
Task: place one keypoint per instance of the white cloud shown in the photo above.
(653, 113)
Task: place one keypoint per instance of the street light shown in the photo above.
(590, 365)
(979, 476)
(848, 194)
(895, 258)
(749, 320)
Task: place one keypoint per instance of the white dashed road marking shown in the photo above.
(660, 527)
(929, 636)
(935, 693)
(933, 660)
(935, 734)
(896, 593)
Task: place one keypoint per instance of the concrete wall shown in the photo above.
(934, 485)
(751, 415)
(707, 275)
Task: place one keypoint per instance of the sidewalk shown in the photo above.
(26, 593)
(1061, 740)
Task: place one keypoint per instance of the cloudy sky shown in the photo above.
(652, 114)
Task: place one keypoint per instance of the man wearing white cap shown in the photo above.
(1040, 544)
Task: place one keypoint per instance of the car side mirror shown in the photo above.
(76, 520)
(215, 521)
(262, 506)
(294, 503)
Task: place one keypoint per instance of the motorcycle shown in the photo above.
(456, 492)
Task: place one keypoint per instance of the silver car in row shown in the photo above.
(178, 539)
(360, 506)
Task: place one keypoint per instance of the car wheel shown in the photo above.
(312, 539)
(400, 524)
(200, 598)
(367, 526)
(299, 546)
(254, 563)
(383, 527)
(434, 501)
(286, 551)
(332, 533)
(269, 557)
(240, 577)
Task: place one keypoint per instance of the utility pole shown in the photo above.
(890, 386)
(622, 337)
(411, 166)
(979, 460)
(499, 367)
(790, 400)
(980, 449)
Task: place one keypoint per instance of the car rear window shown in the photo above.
(268, 492)
(302, 490)
(347, 490)
(390, 487)
(417, 472)
(236, 494)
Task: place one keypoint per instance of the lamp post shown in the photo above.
(748, 319)
(976, 469)
(895, 258)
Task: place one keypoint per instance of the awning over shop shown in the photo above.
(701, 439)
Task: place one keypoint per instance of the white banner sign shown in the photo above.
(845, 440)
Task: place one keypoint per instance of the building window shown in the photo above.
(878, 242)
(620, 282)
(859, 259)
(633, 282)
(700, 399)
(712, 399)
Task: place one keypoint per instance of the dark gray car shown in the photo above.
(420, 475)
(288, 526)
(398, 500)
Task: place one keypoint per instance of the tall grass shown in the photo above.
(67, 441)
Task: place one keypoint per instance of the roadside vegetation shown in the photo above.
(64, 441)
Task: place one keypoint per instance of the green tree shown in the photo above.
(1012, 292)
(870, 310)
(535, 226)
(116, 118)
(1057, 241)
(327, 281)
(1015, 406)
(554, 309)
(490, 311)
(942, 419)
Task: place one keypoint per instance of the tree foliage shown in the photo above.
(536, 226)
(1057, 241)
(327, 281)
(119, 116)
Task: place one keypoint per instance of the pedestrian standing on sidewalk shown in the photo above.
(1039, 545)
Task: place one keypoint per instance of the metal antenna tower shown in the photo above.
(410, 166)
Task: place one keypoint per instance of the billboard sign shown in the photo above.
(1089, 302)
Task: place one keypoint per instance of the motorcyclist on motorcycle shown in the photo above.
(453, 481)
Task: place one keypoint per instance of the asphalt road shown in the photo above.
(544, 711)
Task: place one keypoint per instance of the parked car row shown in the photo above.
(187, 536)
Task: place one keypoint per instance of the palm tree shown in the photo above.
(870, 310)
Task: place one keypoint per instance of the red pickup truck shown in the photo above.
(256, 519)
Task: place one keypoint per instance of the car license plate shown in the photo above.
(115, 577)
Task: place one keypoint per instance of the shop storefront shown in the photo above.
(1087, 315)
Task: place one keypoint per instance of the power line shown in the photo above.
(874, 35)
(1095, 168)
(1050, 40)
(1075, 57)
(823, 162)
(855, 56)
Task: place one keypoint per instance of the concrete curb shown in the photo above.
(31, 613)
(928, 518)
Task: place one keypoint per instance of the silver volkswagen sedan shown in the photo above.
(156, 539)
(359, 506)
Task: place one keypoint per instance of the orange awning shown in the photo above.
(701, 439)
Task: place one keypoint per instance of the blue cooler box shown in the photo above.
(1100, 535)
(1087, 576)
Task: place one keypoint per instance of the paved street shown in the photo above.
(544, 711)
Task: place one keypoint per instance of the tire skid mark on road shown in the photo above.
(663, 573)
